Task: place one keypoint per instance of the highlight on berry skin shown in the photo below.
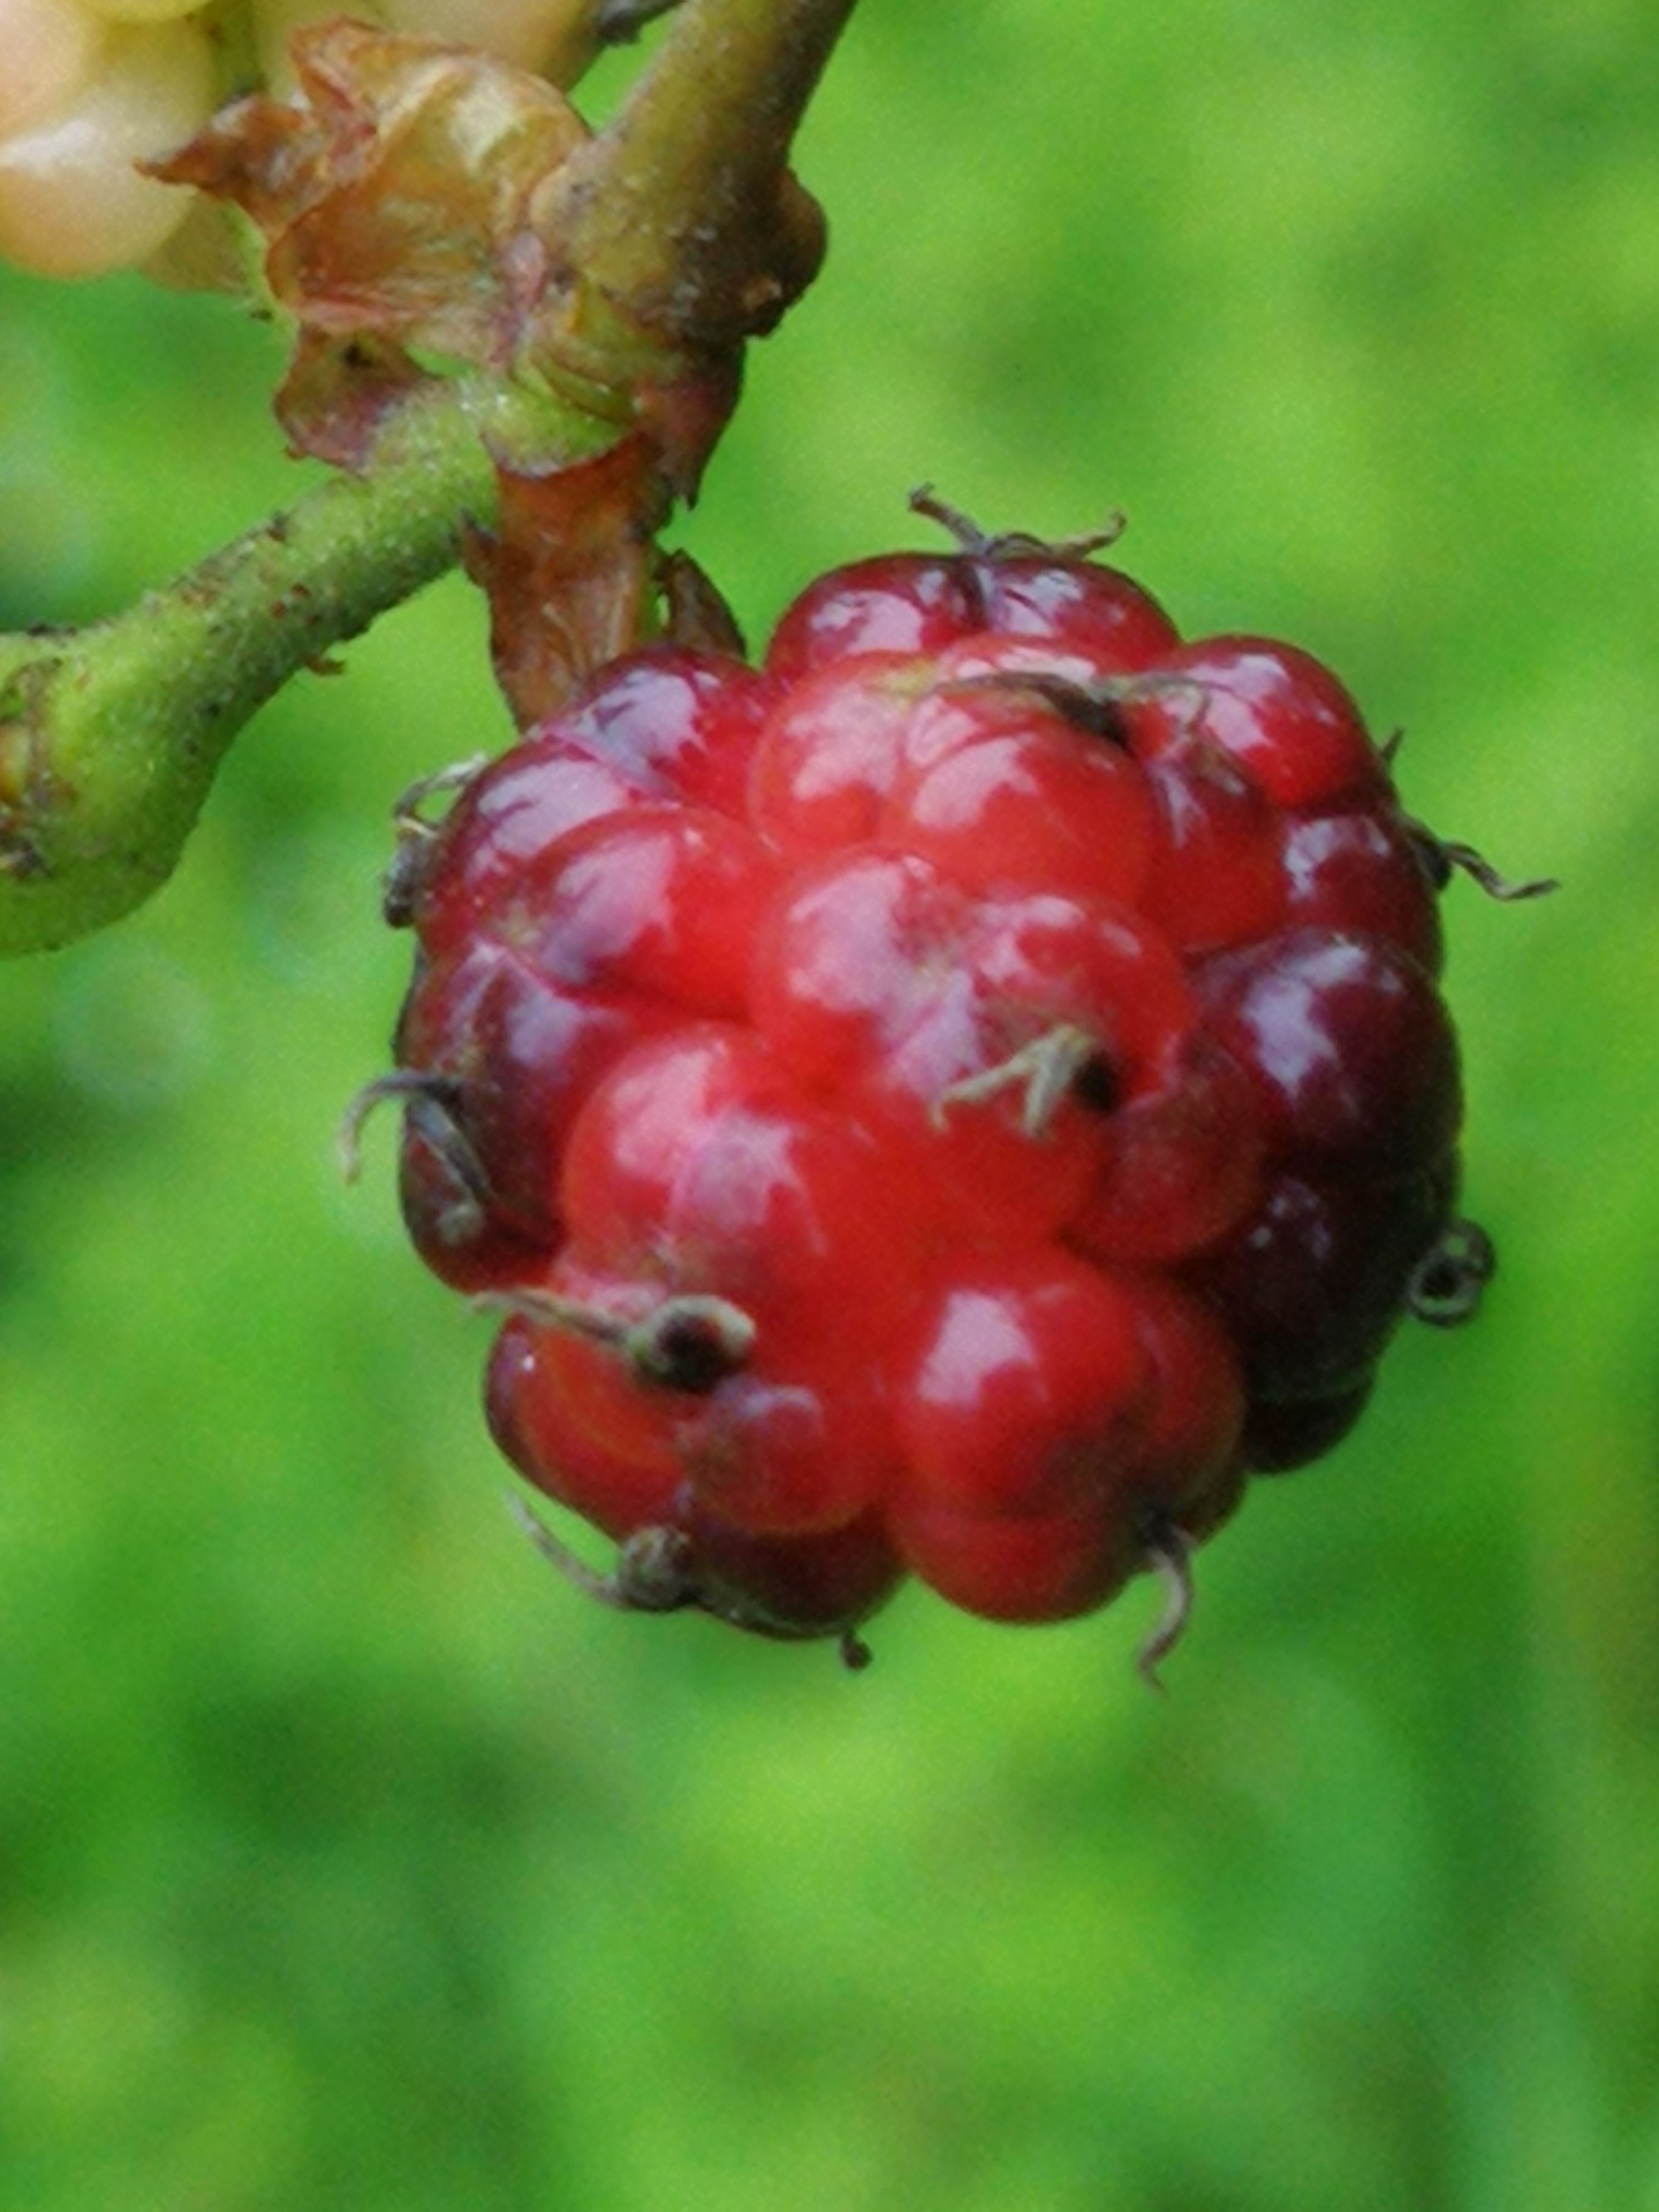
(89, 93)
(954, 1101)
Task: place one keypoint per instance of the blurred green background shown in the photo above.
(345, 1860)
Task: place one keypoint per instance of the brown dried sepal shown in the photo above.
(568, 570)
(425, 208)
(684, 401)
(340, 392)
(694, 609)
(260, 155)
(402, 199)
(31, 792)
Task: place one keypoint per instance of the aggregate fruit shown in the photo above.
(955, 1100)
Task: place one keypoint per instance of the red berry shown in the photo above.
(1029, 1391)
(954, 1103)
(1279, 1436)
(663, 899)
(808, 1449)
(827, 754)
(825, 1584)
(1180, 1164)
(1024, 805)
(664, 723)
(1218, 872)
(697, 1163)
(1350, 1051)
(1286, 718)
(1017, 1567)
(513, 1056)
(1078, 604)
(1362, 872)
(1189, 1466)
(561, 1441)
(986, 1039)
(690, 719)
(898, 603)
(594, 942)
(505, 819)
(1312, 1283)
(920, 603)
(449, 1212)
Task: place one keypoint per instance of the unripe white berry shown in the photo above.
(143, 11)
(552, 36)
(71, 203)
(51, 49)
(274, 20)
(532, 34)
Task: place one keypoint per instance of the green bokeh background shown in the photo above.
(346, 1861)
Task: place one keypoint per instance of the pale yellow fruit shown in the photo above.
(71, 203)
(144, 11)
(551, 36)
(275, 19)
(48, 50)
(533, 34)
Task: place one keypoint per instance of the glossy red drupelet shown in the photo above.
(954, 1100)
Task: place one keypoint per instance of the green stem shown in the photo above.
(110, 736)
(682, 212)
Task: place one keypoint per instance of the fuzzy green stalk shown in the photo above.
(110, 735)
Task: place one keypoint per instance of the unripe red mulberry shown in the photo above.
(957, 1099)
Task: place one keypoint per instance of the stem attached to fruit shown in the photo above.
(653, 1573)
(688, 1340)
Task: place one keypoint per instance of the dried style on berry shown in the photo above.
(955, 1101)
